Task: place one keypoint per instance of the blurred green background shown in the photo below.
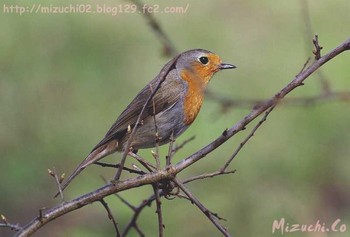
(64, 78)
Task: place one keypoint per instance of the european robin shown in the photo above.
(174, 106)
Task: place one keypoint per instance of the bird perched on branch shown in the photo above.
(164, 108)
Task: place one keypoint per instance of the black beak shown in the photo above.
(226, 66)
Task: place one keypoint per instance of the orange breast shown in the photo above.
(194, 97)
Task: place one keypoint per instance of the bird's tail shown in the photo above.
(97, 154)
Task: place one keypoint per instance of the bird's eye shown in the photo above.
(204, 60)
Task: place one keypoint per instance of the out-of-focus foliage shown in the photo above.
(64, 78)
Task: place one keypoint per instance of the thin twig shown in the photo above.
(251, 134)
(123, 200)
(117, 166)
(213, 218)
(137, 210)
(179, 147)
(306, 25)
(210, 175)
(120, 197)
(309, 34)
(143, 162)
(110, 216)
(341, 96)
(326, 91)
(325, 84)
(7, 224)
(159, 210)
(157, 138)
(139, 231)
(58, 180)
(11, 226)
(296, 82)
(305, 64)
(169, 157)
(227, 103)
(168, 46)
(155, 155)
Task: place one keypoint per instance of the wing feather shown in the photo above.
(169, 93)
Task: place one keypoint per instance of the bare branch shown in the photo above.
(125, 202)
(169, 172)
(168, 46)
(7, 224)
(169, 157)
(318, 48)
(305, 65)
(110, 216)
(210, 175)
(159, 210)
(137, 210)
(178, 147)
(115, 166)
(251, 134)
(309, 34)
(213, 218)
(156, 135)
(58, 180)
(341, 96)
(326, 93)
(298, 81)
(143, 162)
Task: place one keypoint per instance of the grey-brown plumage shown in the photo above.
(184, 79)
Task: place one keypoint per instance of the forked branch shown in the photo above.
(170, 172)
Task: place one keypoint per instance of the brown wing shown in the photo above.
(166, 96)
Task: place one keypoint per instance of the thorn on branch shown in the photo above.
(41, 213)
(217, 216)
(318, 48)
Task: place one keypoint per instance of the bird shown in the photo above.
(177, 95)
